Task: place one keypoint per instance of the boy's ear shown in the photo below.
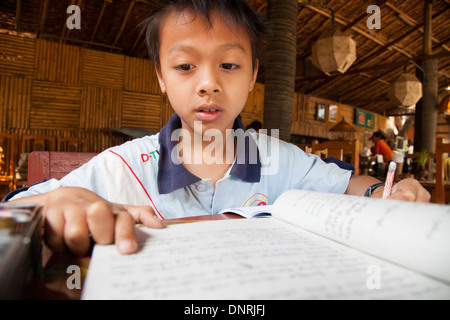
(161, 81)
(254, 76)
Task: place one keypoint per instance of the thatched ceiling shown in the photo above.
(111, 25)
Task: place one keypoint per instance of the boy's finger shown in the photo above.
(101, 222)
(124, 233)
(54, 230)
(76, 231)
(146, 216)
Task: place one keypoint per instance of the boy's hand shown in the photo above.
(72, 214)
(406, 189)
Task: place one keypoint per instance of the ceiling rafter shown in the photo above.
(66, 31)
(18, 14)
(362, 16)
(413, 23)
(125, 20)
(43, 15)
(375, 38)
(99, 19)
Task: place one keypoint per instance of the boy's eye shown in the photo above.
(229, 66)
(184, 67)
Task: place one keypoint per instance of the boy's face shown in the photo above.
(207, 73)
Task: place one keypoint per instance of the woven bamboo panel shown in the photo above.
(57, 62)
(141, 110)
(15, 97)
(16, 56)
(255, 100)
(254, 107)
(166, 110)
(140, 76)
(348, 113)
(102, 69)
(298, 113)
(55, 105)
(100, 107)
(248, 118)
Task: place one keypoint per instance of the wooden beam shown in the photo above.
(122, 27)
(413, 23)
(385, 47)
(43, 17)
(18, 14)
(391, 65)
(360, 31)
(362, 16)
(51, 36)
(66, 31)
(97, 24)
(136, 42)
(443, 42)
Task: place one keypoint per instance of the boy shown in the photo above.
(206, 54)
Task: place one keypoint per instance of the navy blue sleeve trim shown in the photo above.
(17, 191)
(340, 164)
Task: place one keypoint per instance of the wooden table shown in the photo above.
(49, 281)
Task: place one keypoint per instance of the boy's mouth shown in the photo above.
(208, 113)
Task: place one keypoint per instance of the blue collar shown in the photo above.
(172, 176)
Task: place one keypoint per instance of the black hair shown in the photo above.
(235, 13)
(255, 125)
(379, 134)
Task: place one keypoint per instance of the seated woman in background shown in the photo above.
(381, 147)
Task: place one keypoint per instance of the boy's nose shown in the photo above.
(209, 84)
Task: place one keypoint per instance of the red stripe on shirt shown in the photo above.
(159, 214)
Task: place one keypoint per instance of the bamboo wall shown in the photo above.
(60, 90)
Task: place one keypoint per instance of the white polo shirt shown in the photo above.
(141, 172)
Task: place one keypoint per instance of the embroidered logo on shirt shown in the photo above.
(152, 155)
(257, 199)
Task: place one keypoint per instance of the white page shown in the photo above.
(247, 259)
(416, 235)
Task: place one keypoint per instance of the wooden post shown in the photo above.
(280, 64)
(426, 131)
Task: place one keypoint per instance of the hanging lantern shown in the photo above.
(345, 128)
(342, 126)
(444, 104)
(333, 51)
(406, 90)
(444, 99)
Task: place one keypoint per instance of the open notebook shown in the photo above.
(315, 246)
(251, 212)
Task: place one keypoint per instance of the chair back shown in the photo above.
(37, 142)
(338, 149)
(71, 144)
(44, 165)
(441, 149)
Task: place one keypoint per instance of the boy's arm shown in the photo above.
(74, 214)
(406, 189)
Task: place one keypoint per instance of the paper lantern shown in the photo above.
(333, 51)
(406, 90)
(444, 104)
